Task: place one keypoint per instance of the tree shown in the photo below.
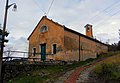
(114, 47)
(118, 45)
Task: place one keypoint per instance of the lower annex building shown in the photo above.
(50, 40)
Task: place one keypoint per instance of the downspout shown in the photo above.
(79, 47)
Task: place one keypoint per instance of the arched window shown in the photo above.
(44, 29)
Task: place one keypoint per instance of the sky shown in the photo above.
(104, 15)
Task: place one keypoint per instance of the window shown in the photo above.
(44, 29)
(54, 49)
(34, 51)
(88, 29)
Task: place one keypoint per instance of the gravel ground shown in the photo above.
(84, 76)
(63, 78)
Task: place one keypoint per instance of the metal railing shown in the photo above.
(23, 58)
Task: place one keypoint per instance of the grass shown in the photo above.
(109, 70)
(49, 73)
(29, 79)
(108, 54)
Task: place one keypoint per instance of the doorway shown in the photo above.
(43, 52)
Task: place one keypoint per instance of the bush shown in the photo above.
(107, 71)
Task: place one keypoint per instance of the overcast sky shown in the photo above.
(104, 15)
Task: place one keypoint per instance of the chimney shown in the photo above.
(89, 30)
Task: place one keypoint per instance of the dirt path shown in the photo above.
(80, 74)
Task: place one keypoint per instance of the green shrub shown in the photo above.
(107, 71)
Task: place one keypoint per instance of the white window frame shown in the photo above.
(40, 49)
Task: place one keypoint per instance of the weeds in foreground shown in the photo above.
(108, 71)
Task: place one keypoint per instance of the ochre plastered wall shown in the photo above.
(71, 44)
(54, 35)
(88, 48)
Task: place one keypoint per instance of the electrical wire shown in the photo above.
(107, 18)
(39, 6)
(110, 6)
(107, 8)
(50, 7)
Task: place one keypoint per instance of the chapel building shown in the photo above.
(51, 40)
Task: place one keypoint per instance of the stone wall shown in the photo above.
(12, 70)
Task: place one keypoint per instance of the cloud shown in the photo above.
(20, 44)
(75, 14)
(105, 37)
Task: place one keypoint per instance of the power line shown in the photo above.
(50, 7)
(39, 6)
(110, 6)
(108, 18)
(112, 9)
(109, 13)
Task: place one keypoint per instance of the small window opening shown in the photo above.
(44, 29)
(88, 29)
(54, 49)
(34, 51)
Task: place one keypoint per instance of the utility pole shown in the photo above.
(4, 33)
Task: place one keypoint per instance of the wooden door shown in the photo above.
(43, 51)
